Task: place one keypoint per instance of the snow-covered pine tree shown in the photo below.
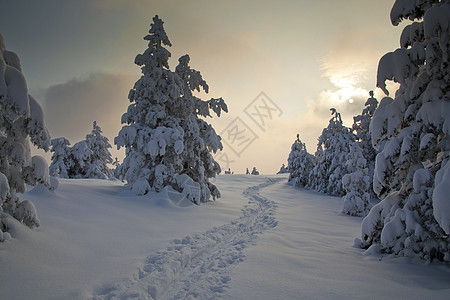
(300, 163)
(21, 120)
(61, 162)
(166, 142)
(412, 172)
(255, 171)
(116, 171)
(356, 184)
(331, 155)
(361, 164)
(283, 169)
(97, 164)
(200, 138)
(361, 129)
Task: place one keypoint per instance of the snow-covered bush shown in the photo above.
(412, 134)
(300, 164)
(80, 156)
(356, 183)
(21, 121)
(86, 159)
(229, 172)
(331, 156)
(164, 136)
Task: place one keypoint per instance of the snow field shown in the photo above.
(198, 266)
(263, 240)
(310, 255)
(96, 232)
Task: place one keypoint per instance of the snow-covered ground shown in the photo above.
(262, 240)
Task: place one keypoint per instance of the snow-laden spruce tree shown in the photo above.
(255, 171)
(330, 158)
(86, 159)
(166, 141)
(100, 157)
(300, 164)
(21, 120)
(116, 171)
(361, 129)
(283, 169)
(356, 183)
(200, 138)
(61, 162)
(412, 172)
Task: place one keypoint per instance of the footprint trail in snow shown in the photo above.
(199, 266)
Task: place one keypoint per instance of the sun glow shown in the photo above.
(347, 78)
(347, 91)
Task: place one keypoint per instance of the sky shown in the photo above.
(279, 65)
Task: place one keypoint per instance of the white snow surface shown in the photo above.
(264, 239)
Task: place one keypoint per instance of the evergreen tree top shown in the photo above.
(96, 137)
(157, 34)
(336, 116)
(96, 130)
(298, 145)
(371, 104)
(156, 55)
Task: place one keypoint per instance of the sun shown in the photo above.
(347, 89)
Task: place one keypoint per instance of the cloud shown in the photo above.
(71, 107)
(350, 68)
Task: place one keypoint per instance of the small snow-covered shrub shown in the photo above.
(26, 213)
